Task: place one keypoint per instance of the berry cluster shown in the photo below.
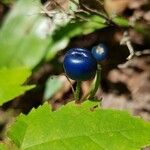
(81, 64)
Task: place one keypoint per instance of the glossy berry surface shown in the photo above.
(100, 52)
(79, 64)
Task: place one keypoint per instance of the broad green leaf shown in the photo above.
(53, 84)
(3, 146)
(21, 42)
(79, 127)
(63, 35)
(11, 81)
(7, 145)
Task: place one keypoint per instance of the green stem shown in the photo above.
(77, 91)
(95, 84)
(73, 91)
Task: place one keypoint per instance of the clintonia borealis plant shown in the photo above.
(81, 65)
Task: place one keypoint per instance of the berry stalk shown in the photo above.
(77, 91)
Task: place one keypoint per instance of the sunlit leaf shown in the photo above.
(11, 81)
(81, 127)
(121, 21)
(3, 146)
(21, 42)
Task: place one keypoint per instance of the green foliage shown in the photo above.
(120, 21)
(20, 42)
(11, 81)
(62, 35)
(79, 127)
(3, 147)
(26, 45)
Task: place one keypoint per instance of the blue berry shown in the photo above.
(79, 64)
(100, 52)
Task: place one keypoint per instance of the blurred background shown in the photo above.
(37, 34)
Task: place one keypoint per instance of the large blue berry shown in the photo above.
(79, 64)
(100, 52)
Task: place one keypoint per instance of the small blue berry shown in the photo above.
(100, 52)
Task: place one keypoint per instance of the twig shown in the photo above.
(144, 52)
(81, 10)
(126, 41)
(124, 65)
(50, 13)
(98, 13)
(102, 4)
(75, 2)
(45, 11)
(137, 54)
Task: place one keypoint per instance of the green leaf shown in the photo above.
(80, 127)
(121, 21)
(62, 35)
(7, 145)
(3, 146)
(53, 84)
(11, 81)
(21, 43)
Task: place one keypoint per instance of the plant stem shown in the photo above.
(95, 84)
(77, 91)
(73, 91)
